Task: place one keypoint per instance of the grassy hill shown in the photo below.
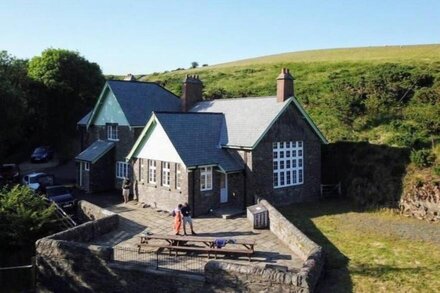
(371, 93)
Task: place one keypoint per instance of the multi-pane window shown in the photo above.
(152, 171)
(205, 178)
(112, 131)
(122, 170)
(288, 162)
(178, 176)
(165, 173)
(141, 170)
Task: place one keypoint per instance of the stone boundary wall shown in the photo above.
(422, 202)
(87, 211)
(65, 261)
(299, 243)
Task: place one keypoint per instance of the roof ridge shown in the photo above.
(190, 113)
(145, 82)
(242, 98)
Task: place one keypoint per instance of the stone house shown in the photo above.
(228, 152)
(109, 131)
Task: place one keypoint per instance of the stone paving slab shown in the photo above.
(135, 219)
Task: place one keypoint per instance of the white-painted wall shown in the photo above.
(159, 147)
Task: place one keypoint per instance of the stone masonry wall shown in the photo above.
(67, 262)
(289, 127)
(298, 242)
(157, 195)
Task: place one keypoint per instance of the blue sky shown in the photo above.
(148, 36)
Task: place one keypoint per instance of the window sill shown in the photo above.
(286, 186)
(112, 139)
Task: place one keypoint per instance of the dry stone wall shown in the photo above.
(422, 202)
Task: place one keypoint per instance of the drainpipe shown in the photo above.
(193, 192)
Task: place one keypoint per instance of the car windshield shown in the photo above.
(33, 179)
(39, 150)
(57, 191)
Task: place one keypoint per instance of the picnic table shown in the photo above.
(187, 243)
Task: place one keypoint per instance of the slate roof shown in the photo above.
(95, 151)
(197, 137)
(139, 99)
(85, 119)
(246, 118)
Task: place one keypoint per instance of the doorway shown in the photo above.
(223, 188)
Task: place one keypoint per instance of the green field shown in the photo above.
(376, 251)
(384, 95)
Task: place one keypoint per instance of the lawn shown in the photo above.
(374, 251)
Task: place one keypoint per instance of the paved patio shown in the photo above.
(134, 220)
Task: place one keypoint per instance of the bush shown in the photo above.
(436, 170)
(422, 158)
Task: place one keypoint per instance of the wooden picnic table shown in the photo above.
(180, 243)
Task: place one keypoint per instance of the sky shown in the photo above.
(140, 37)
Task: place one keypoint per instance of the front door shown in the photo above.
(223, 187)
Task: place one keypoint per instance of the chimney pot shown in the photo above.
(285, 88)
(191, 92)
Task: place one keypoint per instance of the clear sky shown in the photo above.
(134, 36)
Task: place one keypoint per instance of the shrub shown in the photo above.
(422, 158)
(436, 170)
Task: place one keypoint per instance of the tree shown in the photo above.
(71, 85)
(194, 64)
(24, 218)
(13, 100)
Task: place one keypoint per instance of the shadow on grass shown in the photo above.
(336, 277)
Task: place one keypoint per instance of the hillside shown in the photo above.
(373, 93)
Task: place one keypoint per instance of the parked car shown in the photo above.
(62, 196)
(9, 173)
(42, 154)
(38, 181)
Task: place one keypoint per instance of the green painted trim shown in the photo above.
(305, 115)
(99, 104)
(141, 138)
(145, 135)
(310, 121)
(272, 123)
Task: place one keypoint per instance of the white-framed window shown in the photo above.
(288, 163)
(152, 171)
(112, 132)
(86, 166)
(165, 173)
(205, 178)
(122, 170)
(178, 176)
(141, 170)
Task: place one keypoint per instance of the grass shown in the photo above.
(376, 251)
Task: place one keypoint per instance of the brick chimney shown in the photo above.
(191, 92)
(284, 85)
(130, 77)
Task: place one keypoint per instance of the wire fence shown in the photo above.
(161, 260)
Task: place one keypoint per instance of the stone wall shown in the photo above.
(422, 202)
(156, 195)
(67, 262)
(242, 278)
(290, 126)
(299, 243)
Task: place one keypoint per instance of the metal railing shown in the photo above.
(161, 260)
